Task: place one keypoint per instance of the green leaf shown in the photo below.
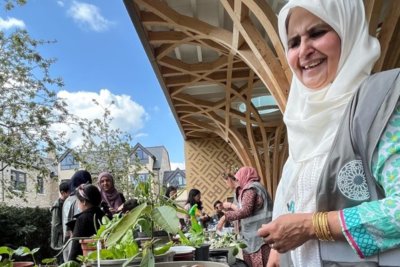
(166, 218)
(132, 249)
(49, 260)
(22, 251)
(106, 254)
(162, 249)
(126, 263)
(148, 259)
(6, 250)
(128, 221)
(34, 251)
(235, 251)
(242, 245)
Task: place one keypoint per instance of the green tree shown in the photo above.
(105, 148)
(28, 105)
(10, 4)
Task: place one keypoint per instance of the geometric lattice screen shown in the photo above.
(205, 160)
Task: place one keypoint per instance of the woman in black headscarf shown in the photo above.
(111, 198)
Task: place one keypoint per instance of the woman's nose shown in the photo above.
(305, 48)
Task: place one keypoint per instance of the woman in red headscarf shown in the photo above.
(112, 200)
(254, 209)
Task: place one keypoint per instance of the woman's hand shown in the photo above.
(227, 205)
(288, 231)
(221, 223)
(273, 259)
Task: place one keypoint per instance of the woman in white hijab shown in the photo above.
(331, 54)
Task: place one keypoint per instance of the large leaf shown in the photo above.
(148, 259)
(128, 221)
(166, 218)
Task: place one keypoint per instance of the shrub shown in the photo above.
(28, 227)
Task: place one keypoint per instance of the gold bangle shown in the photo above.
(327, 230)
(321, 226)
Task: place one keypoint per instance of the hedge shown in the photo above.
(28, 227)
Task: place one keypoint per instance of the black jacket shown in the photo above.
(85, 226)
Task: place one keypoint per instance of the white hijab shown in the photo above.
(313, 116)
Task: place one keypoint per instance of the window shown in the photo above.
(18, 180)
(143, 177)
(69, 163)
(40, 185)
(179, 180)
(139, 178)
(141, 156)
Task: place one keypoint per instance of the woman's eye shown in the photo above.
(293, 43)
(317, 34)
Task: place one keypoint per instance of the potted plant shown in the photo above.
(21, 251)
(153, 213)
(195, 237)
(228, 244)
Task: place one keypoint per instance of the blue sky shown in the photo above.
(99, 55)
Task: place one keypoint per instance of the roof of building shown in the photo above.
(170, 175)
(159, 152)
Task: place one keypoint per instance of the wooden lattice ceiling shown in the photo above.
(219, 61)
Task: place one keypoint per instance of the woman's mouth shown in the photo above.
(312, 64)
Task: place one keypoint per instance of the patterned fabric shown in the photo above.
(375, 226)
(250, 202)
(257, 259)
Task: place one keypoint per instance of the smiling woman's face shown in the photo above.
(313, 49)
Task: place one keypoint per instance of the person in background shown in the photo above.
(171, 192)
(111, 198)
(57, 237)
(232, 184)
(219, 210)
(253, 210)
(88, 220)
(338, 201)
(194, 197)
(71, 208)
(128, 206)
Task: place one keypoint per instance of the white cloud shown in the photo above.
(88, 16)
(139, 135)
(6, 24)
(127, 115)
(180, 165)
(60, 3)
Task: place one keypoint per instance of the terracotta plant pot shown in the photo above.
(23, 264)
(87, 245)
